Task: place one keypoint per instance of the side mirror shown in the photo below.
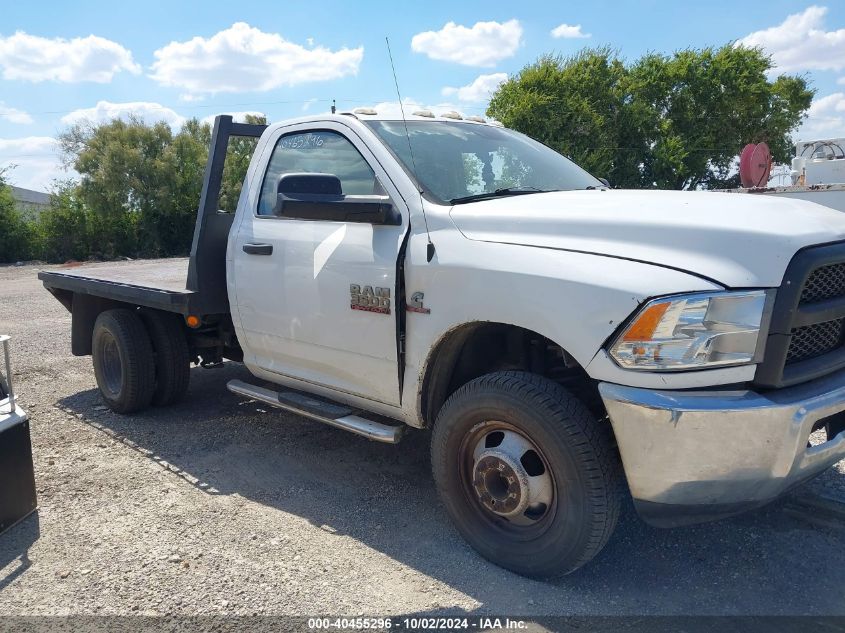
(314, 184)
(310, 196)
(605, 182)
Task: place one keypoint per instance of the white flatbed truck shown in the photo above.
(560, 340)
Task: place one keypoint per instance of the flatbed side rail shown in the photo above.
(140, 295)
(207, 266)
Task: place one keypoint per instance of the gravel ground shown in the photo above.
(220, 506)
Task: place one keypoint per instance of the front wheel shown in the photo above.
(528, 476)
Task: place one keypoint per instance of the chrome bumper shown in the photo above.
(696, 456)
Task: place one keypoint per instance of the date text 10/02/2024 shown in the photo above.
(417, 623)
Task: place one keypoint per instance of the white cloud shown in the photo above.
(245, 59)
(106, 111)
(191, 98)
(841, 81)
(479, 90)
(568, 31)
(32, 58)
(825, 118)
(307, 104)
(13, 115)
(34, 161)
(801, 43)
(483, 44)
(238, 117)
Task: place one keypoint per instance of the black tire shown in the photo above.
(123, 360)
(172, 357)
(577, 459)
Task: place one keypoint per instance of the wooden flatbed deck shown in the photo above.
(155, 283)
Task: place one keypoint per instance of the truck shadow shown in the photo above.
(383, 496)
(14, 553)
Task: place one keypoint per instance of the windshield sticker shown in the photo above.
(303, 141)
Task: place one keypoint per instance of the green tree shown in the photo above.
(176, 209)
(238, 155)
(138, 193)
(18, 238)
(67, 228)
(674, 122)
(575, 106)
(141, 183)
(125, 173)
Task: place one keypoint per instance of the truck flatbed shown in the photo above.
(158, 283)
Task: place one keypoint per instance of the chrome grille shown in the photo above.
(824, 283)
(814, 340)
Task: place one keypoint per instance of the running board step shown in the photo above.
(330, 413)
(310, 404)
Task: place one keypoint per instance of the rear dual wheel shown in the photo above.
(139, 359)
(172, 356)
(528, 476)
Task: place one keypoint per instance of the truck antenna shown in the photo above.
(334, 106)
(430, 247)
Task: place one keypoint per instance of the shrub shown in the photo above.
(18, 237)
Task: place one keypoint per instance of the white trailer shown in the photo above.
(817, 174)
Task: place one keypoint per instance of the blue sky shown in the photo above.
(173, 60)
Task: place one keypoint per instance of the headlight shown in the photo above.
(694, 331)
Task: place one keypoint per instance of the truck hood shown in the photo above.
(737, 240)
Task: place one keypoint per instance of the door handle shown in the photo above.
(258, 249)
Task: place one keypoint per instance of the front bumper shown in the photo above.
(693, 456)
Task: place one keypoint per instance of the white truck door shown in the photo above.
(316, 299)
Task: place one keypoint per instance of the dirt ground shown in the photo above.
(218, 506)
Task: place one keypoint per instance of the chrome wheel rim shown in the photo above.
(508, 477)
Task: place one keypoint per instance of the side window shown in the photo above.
(319, 151)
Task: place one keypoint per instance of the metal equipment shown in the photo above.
(17, 475)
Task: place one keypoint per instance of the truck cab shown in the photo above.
(560, 340)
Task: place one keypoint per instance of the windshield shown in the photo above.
(458, 162)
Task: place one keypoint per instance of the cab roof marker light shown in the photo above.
(369, 111)
(426, 113)
(476, 119)
(452, 115)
